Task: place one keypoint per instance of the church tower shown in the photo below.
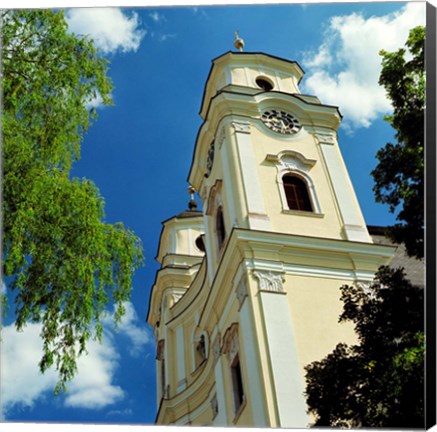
(248, 292)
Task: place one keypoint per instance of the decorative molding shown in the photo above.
(325, 138)
(293, 164)
(291, 160)
(242, 127)
(269, 281)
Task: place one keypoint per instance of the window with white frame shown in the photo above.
(296, 189)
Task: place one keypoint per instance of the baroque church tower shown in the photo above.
(248, 292)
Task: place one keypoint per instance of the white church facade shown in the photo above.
(248, 292)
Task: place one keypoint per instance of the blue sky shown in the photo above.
(139, 152)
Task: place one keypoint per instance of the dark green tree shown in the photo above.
(399, 175)
(379, 382)
(64, 263)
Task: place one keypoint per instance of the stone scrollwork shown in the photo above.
(270, 281)
(288, 163)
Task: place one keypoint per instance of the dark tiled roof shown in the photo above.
(189, 214)
(413, 267)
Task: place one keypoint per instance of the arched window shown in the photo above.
(220, 227)
(296, 192)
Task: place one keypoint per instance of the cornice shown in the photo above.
(241, 59)
(226, 106)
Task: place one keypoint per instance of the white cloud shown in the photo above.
(92, 388)
(110, 28)
(344, 71)
(23, 385)
(21, 381)
(138, 336)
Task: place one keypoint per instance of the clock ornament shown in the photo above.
(281, 122)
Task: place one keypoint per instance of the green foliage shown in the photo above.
(64, 261)
(399, 175)
(380, 381)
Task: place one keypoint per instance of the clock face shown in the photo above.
(281, 121)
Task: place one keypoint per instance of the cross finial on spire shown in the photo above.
(238, 42)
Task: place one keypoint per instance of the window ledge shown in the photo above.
(303, 213)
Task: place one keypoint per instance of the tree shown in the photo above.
(64, 263)
(380, 381)
(399, 175)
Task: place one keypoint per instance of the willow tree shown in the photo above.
(61, 260)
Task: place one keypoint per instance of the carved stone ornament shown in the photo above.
(269, 281)
(216, 347)
(325, 138)
(290, 160)
(289, 163)
(241, 291)
(241, 127)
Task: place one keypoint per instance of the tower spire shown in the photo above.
(238, 42)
